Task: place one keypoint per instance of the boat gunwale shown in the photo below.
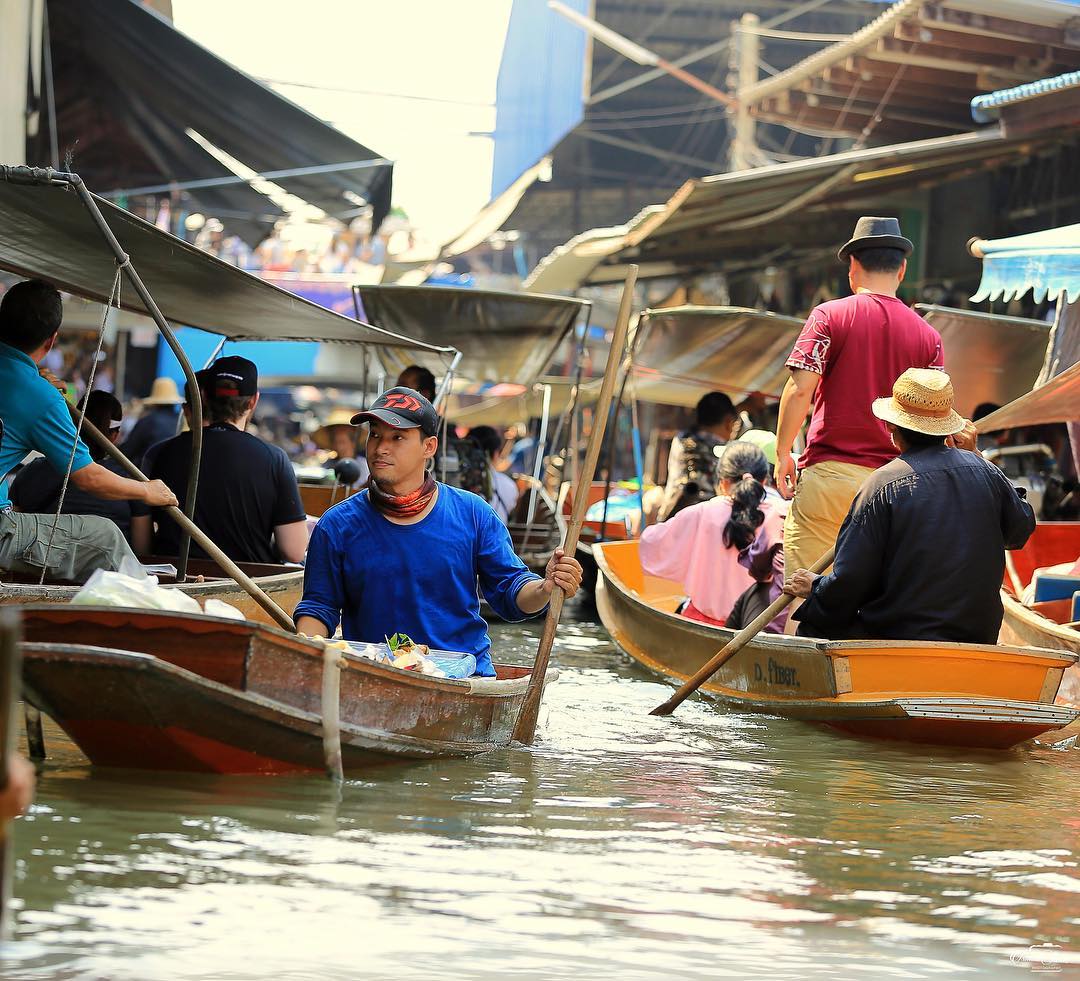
(833, 648)
(360, 737)
(476, 686)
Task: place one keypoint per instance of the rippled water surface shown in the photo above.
(711, 844)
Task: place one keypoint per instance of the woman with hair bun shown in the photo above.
(728, 551)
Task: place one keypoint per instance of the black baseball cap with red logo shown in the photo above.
(230, 377)
(402, 408)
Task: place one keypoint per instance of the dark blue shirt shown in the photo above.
(379, 578)
(921, 554)
(35, 417)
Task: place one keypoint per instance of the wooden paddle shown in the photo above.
(10, 685)
(736, 644)
(525, 727)
(197, 535)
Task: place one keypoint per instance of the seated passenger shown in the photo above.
(405, 554)
(35, 418)
(248, 500)
(921, 554)
(504, 492)
(721, 548)
(158, 422)
(692, 461)
(341, 438)
(420, 379)
(36, 489)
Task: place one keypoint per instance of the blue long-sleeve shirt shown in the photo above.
(379, 578)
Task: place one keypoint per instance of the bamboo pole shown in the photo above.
(10, 685)
(525, 727)
(737, 643)
(197, 534)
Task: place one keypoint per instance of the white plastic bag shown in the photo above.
(105, 588)
(219, 608)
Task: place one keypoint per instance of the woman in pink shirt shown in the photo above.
(701, 546)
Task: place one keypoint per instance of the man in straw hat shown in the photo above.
(340, 437)
(921, 553)
(849, 353)
(161, 411)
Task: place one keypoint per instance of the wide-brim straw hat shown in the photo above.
(875, 233)
(163, 392)
(922, 401)
(338, 417)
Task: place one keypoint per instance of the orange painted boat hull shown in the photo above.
(955, 694)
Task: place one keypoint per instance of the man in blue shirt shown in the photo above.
(406, 554)
(35, 417)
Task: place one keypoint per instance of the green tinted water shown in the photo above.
(711, 844)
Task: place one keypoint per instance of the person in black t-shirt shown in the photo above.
(36, 489)
(248, 501)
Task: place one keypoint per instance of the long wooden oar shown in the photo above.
(197, 535)
(737, 643)
(525, 727)
(10, 685)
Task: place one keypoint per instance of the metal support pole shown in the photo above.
(744, 60)
(538, 465)
(170, 338)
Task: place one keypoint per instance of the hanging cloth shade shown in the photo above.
(1047, 263)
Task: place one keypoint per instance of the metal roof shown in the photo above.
(915, 68)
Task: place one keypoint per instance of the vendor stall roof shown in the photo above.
(1047, 263)
(47, 232)
(508, 337)
(155, 84)
(1056, 401)
(802, 209)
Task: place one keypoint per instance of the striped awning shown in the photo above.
(1047, 263)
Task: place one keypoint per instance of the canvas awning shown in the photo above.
(152, 84)
(989, 358)
(684, 352)
(504, 337)
(1056, 401)
(800, 210)
(1047, 263)
(46, 231)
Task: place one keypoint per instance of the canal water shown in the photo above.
(707, 845)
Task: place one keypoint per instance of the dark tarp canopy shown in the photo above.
(505, 337)
(46, 231)
(684, 352)
(120, 65)
(989, 358)
(1056, 401)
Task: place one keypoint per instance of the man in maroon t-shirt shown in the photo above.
(849, 353)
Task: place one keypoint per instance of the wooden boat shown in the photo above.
(535, 540)
(955, 694)
(208, 695)
(1044, 624)
(284, 584)
(319, 498)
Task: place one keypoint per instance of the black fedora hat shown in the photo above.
(876, 233)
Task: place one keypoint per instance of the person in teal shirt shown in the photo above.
(35, 418)
(406, 555)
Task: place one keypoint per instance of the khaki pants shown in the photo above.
(823, 497)
(81, 544)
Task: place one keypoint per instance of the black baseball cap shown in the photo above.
(232, 376)
(402, 408)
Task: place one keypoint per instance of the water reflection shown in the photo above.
(706, 845)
